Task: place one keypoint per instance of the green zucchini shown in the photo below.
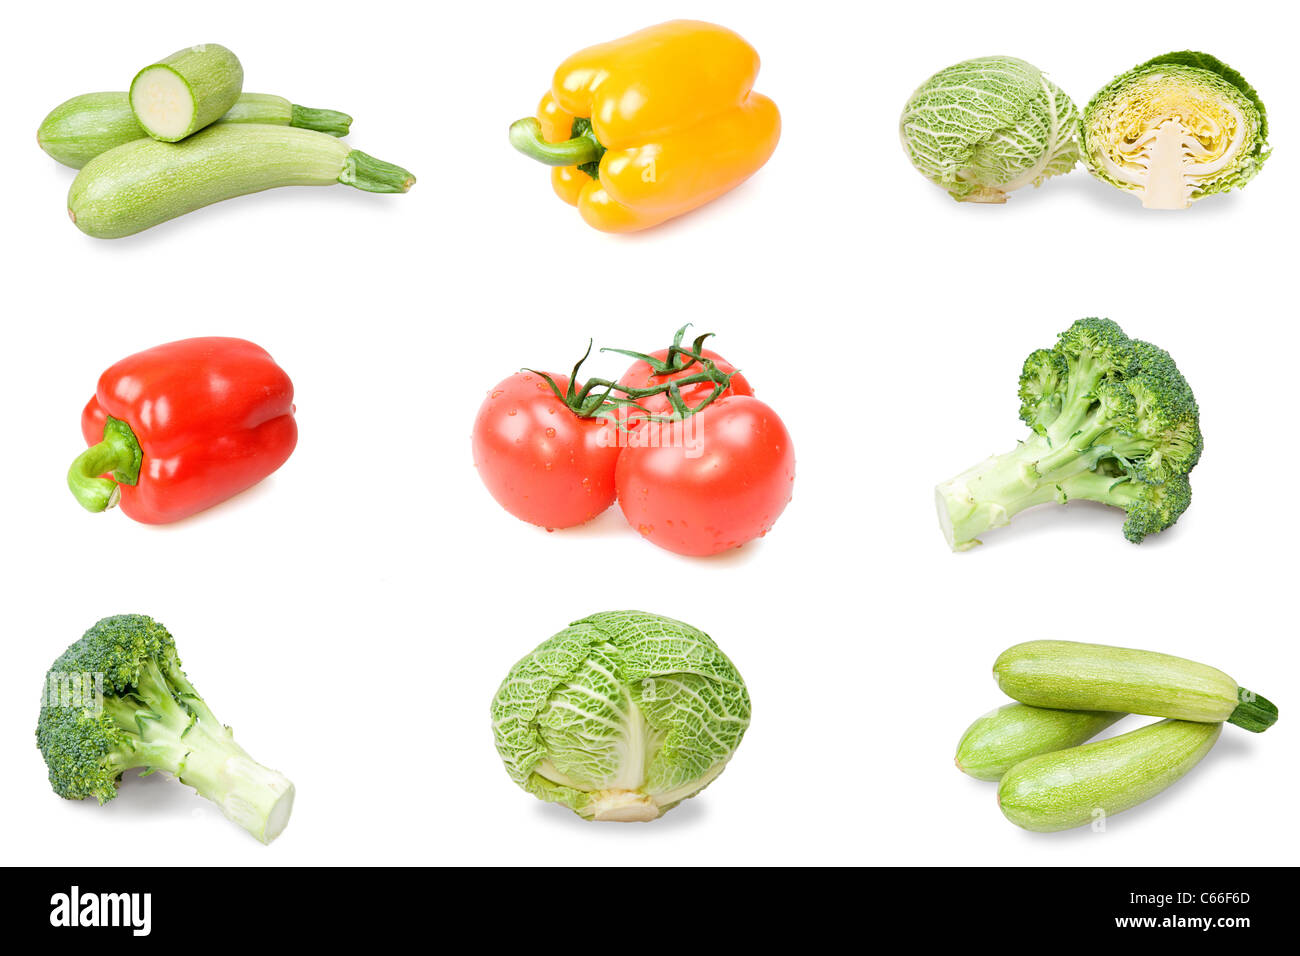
(1070, 788)
(1074, 676)
(1002, 738)
(79, 129)
(183, 93)
(145, 182)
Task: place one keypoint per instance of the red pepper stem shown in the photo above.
(118, 453)
(526, 136)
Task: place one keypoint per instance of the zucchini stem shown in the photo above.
(322, 121)
(1254, 713)
(374, 175)
(118, 453)
(526, 136)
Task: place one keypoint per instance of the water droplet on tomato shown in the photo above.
(550, 433)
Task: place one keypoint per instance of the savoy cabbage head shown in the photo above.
(620, 716)
(988, 126)
(1176, 129)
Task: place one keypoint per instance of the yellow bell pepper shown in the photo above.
(653, 125)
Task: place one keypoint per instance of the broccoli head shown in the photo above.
(1111, 420)
(117, 700)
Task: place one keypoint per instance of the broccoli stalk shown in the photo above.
(147, 716)
(1112, 421)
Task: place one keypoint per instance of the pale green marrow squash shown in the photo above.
(146, 182)
(79, 129)
(183, 93)
(1074, 676)
(1081, 785)
(1002, 738)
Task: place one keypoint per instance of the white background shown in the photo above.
(352, 616)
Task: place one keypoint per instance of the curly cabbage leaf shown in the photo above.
(620, 716)
(1176, 129)
(985, 127)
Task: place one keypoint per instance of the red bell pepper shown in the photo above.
(183, 426)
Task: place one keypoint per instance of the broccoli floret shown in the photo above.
(117, 700)
(1112, 420)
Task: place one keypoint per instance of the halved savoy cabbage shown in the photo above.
(1175, 129)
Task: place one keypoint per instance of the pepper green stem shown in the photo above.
(323, 121)
(118, 453)
(526, 136)
(1253, 713)
(374, 175)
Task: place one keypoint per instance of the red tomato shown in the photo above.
(641, 375)
(713, 482)
(540, 461)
